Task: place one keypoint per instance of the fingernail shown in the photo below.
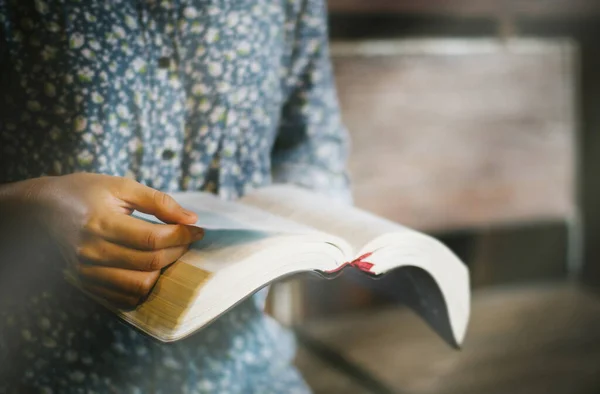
(198, 233)
(189, 213)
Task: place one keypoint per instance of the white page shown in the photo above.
(443, 277)
(235, 232)
(356, 226)
(221, 249)
(216, 214)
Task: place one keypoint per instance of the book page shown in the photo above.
(235, 232)
(220, 249)
(354, 225)
(438, 279)
(216, 214)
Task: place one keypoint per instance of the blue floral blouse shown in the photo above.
(216, 95)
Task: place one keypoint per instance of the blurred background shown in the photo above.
(476, 121)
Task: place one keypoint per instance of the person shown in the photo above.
(105, 108)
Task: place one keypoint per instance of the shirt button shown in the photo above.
(168, 154)
(164, 62)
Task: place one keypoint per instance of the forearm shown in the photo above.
(25, 247)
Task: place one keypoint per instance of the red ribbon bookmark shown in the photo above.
(358, 263)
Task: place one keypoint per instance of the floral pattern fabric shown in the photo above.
(215, 95)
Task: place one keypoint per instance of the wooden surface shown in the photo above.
(460, 133)
(590, 149)
(472, 8)
(325, 378)
(521, 254)
(531, 339)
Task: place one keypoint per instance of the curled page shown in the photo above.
(216, 214)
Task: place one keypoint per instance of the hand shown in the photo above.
(116, 256)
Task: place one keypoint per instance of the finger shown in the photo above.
(102, 252)
(138, 283)
(140, 234)
(118, 299)
(154, 202)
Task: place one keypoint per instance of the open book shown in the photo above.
(281, 230)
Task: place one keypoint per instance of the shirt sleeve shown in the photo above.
(312, 144)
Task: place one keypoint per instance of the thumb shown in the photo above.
(151, 201)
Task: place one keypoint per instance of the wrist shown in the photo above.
(25, 194)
